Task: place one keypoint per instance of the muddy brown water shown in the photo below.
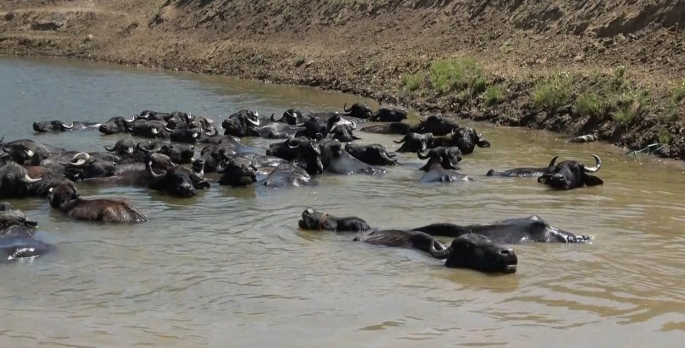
(230, 268)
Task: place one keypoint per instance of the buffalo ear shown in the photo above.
(592, 180)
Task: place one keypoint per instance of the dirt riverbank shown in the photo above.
(590, 67)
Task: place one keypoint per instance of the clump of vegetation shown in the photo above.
(494, 95)
(678, 92)
(456, 74)
(299, 61)
(414, 81)
(553, 92)
(591, 104)
(629, 105)
(665, 137)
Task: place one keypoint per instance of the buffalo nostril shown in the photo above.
(506, 252)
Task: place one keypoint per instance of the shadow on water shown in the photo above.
(231, 263)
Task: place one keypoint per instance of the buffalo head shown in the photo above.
(448, 157)
(55, 125)
(477, 252)
(436, 124)
(567, 175)
(467, 139)
(115, 125)
(358, 110)
(242, 124)
(177, 181)
(237, 171)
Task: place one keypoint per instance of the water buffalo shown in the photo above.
(469, 251)
(116, 125)
(286, 175)
(447, 157)
(466, 139)
(29, 152)
(389, 114)
(179, 154)
(65, 198)
(341, 162)
(413, 142)
(188, 135)
(398, 128)
(48, 126)
(373, 154)
(313, 129)
(436, 173)
(358, 110)
(509, 231)
(153, 115)
(15, 181)
(149, 129)
(343, 132)
(242, 172)
(83, 166)
(435, 124)
(568, 175)
(524, 172)
(291, 117)
(122, 147)
(18, 242)
(178, 182)
(179, 120)
(10, 217)
(315, 220)
(278, 130)
(243, 123)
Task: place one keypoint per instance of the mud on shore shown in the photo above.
(614, 70)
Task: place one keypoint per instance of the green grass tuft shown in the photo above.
(493, 95)
(553, 92)
(413, 82)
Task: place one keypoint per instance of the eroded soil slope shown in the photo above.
(614, 68)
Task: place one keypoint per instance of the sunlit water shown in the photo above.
(230, 268)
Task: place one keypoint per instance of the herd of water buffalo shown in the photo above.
(310, 144)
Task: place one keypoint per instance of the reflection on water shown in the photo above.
(230, 267)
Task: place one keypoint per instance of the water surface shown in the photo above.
(230, 268)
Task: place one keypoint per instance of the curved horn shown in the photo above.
(65, 126)
(287, 142)
(318, 137)
(213, 131)
(154, 131)
(332, 128)
(551, 163)
(165, 128)
(385, 157)
(111, 149)
(2, 139)
(345, 108)
(256, 123)
(272, 118)
(401, 140)
(152, 172)
(453, 132)
(28, 153)
(598, 164)
(354, 125)
(440, 254)
(422, 156)
(27, 179)
(4, 148)
(131, 120)
(142, 148)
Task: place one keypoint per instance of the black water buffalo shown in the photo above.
(398, 128)
(116, 125)
(59, 126)
(436, 173)
(83, 166)
(18, 242)
(287, 175)
(179, 154)
(467, 139)
(509, 231)
(313, 129)
(469, 251)
(343, 132)
(123, 147)
(29, 152)
(179, 120)
(315, 220)
(187, 135)
(389, 114)
(524, 172)
(242, 172)
(15, 181)
(341, 162)
(153, 115)
(448, 157)
(244, 123)
(291, 117)
(65, 198)
(358, 110)
(413, 142)
(10, 217)
(278, 130)
(149, 129)
(178, 182)
(568, 175)
(373, 154)
(289, 149)
(435, 124)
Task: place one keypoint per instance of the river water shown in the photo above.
(230, 268)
